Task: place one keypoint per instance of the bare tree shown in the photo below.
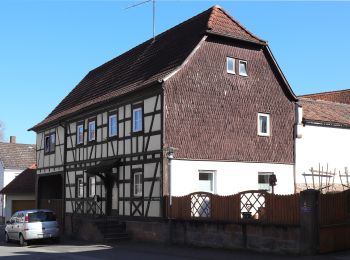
(2, 131)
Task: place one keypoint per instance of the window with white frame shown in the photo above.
(242, 66)
(206, 181)
(92, 186)
(230, 65)
(80, 187)
(138, 184)
(50, 143)
(137, 120)
(113, 125)
(80, 134)
(92, 131)
(263, 124)
(263, 181)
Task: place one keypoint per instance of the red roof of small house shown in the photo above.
(147, 64)
(325, 112)
(339, 96)
(17, 156)
(24, 183)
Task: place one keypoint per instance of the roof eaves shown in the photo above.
(63, 118)
(325, 123)
(294, 97)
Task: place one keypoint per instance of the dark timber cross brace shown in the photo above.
(104, 171)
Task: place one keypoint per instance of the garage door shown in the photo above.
(22, 205)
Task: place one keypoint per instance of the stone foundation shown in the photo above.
(258, 237)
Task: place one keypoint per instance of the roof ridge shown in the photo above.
(219, 8)
(326, 92)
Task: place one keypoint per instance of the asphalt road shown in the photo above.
(132, 250)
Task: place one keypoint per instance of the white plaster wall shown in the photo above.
(322, 145)
(6, 176)
(9, 198)
(231, 177)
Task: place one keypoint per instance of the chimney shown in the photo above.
(12, 139)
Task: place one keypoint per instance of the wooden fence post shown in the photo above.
(309, 222)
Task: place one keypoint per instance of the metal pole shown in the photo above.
(154, 19)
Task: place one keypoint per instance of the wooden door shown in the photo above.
(18, 205)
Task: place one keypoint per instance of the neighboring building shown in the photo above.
(14, 158)
(323, 137)
(20, 192)
(207, 87)
(338, 96)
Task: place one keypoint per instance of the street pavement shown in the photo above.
(74, 250)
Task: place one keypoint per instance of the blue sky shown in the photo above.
(47, 46)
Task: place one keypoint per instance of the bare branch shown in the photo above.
(2, 131)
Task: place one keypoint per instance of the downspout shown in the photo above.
(64, 177)
(297, 135)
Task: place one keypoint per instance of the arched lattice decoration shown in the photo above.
(200, 205)
(252, 204)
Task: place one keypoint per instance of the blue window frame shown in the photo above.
(137, 120)
(113, 126)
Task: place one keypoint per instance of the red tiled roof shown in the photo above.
(17, 156)
(147, 63)
(327, 112)
(24, 183)
(339, 96)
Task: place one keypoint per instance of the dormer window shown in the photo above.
(243, 68)
(263, 124)
(92, 131)
(230, 65)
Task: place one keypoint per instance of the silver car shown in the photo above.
(30, 225)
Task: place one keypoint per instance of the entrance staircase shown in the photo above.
(112, 230)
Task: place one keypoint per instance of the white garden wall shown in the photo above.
(230, 177)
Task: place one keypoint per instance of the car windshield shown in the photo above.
(41, 216)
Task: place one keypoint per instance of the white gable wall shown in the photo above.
(322, 145)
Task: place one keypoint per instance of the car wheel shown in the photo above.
(7, 239)
(22, 241)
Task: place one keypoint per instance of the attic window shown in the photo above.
(263, 124)
(50, 143)
(230, 65)
(243, 68)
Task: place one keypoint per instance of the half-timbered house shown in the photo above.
(207, 87)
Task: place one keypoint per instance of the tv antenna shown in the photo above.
(153, 16)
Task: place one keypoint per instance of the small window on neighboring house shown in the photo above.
(263, 124)
(80, 187)
(263, 181)
(50, 143)
(113, 126)
(92, 131)
(80, 134)
(137, 184)
(243, 68)
(206, 181)
(137, 120)
(92, 186)
(230, 65)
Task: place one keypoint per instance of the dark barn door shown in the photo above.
(50, 195)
